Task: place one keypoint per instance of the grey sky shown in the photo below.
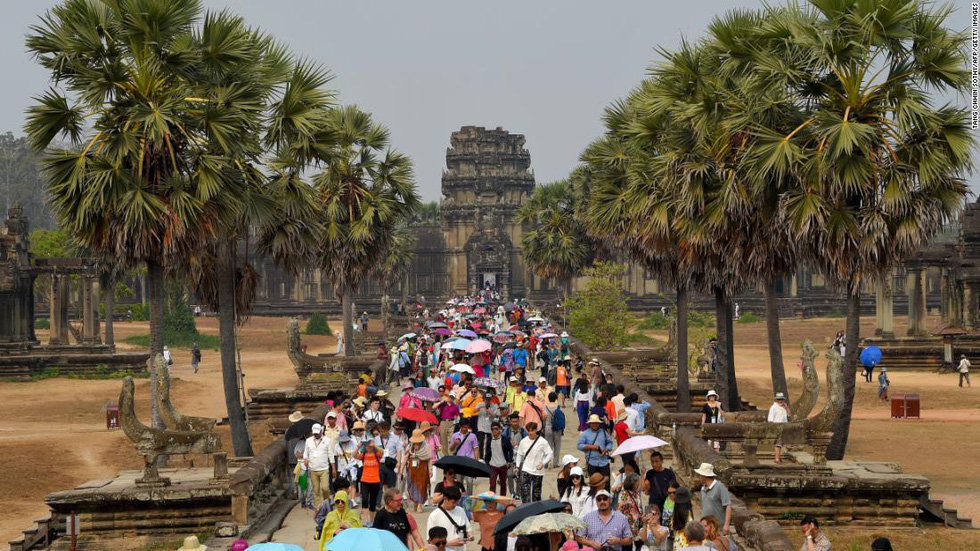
(545, 69)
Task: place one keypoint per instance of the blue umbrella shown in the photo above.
(466, 333)
(460, 344)
(276, 547)
(365, 539)
(871, 356)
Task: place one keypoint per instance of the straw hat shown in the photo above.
(381, 393)
(706, 469)
(191, 544)
(358, 425)
(425, 426)
(597, 479)
(417, 437)
(359, 401)
(295, 416)
(594, 419)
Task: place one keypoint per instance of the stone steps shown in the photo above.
(935, 511)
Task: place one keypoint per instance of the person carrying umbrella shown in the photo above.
(466, 444)
(341, 518)
(533, 455)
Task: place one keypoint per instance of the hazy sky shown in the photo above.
(545, 69)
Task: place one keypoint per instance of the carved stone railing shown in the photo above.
(170, 416)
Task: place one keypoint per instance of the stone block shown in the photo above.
(225, 529)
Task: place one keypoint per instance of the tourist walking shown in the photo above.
(656, 482)
(499, 455)
(597, 445)
(464, 443)
(318, 458)
(964, 370)
(370, 457)
(393, 518)
(515, 433)
(417, 479)
(605, 527)
(168, 359)
(815, 539)
(883, 384)
(654, 534)
(195, 357)
(339, 519)
(630, 504)
(715, 499)
(450, 516)
(447, 412)
(554, 426)
(576, 493)
(778, 413)
(533, 455)
(583, 399)
(712, 412)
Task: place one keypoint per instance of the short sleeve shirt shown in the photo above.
(714, 501)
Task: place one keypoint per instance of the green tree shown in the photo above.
(598, 313)
(877, 168)
(366, 191)
(555, 244)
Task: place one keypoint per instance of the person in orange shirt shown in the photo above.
(469, 398)
(370, 456)
(611, 410)
(533, 410)
(562, 383)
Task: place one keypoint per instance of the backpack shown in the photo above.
(558, 420)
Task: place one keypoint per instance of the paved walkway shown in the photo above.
(298, 527)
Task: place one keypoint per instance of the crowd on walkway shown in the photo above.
(485, 389)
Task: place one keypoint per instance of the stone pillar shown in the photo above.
(96, 311)
(879, 307)
(917, 301)
(944, 295)
(888, 307)
(90, 310)
(59, 310)
(793, 287)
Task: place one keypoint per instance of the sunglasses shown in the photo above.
(439, 543)
(671, 493)
(602, 498)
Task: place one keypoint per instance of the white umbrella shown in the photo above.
(463, 368)
(536, 319)
(638, 443)
(548, 523)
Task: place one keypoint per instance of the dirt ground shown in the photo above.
(53, 436)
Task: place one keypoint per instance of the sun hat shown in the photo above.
(706, 469)
(545, 379)
(381, 393)
(417, 437)
(712, 393)
(358, 425)
(576, 471)
(780, 396)
(341, 495)
(568, 459)
(597, 479)
(359, 401)
(594, 361)
(603, 493)
(425, 426)
(295, 416)
(683, 495)
(564, 333)
(594, 419)
(317, 428)
(332, 414)
(191, 543)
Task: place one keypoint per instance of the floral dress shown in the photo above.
(630, 506)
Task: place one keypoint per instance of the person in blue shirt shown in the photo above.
(597, 444)
(640, 407)
(520, 355)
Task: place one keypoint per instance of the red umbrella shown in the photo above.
(417, 415)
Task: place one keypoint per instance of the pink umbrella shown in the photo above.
(478, 346)
(638, 443)
(480, 310)
(443, 331)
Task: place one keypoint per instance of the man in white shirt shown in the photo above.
(533, 456)
(450, 516)
(964, 369)
(332, 430)
(779, 413)
(374, 413)
(393, 450)
(318, 458)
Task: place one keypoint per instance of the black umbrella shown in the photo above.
(509, 306)
(509, 521)
(300, 429)
(464, 466)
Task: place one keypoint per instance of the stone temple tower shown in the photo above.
(487, 179)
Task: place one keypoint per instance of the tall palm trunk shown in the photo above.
(721, 348)
(775, 341)
(348, 321)
(110, 309)
(405, 293)
(735, 401)
(852, 332)
(227, 280)
(155, 290)
(683, 379)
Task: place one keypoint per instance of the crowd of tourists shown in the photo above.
(479, 380)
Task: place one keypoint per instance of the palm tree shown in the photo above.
(877, 168)
(129, 187)
(366, 191)
(556, 245)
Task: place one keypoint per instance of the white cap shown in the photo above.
(332, 414)
(567, 459)
(317, 427)
(542, 379)
(603, 493)
(564, 333)
(576, 471)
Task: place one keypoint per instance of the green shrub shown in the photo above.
(641, 339)
(654, 320)
(598, 313)
(318, 325)
(835, 314)
(141, 312)
(699, 319)
(749, 317)
(42, 323)
(49, 372)
(104, 372)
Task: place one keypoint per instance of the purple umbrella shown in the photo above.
(426, 394)
(637, 443)
(466, 333)
(442, 331)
